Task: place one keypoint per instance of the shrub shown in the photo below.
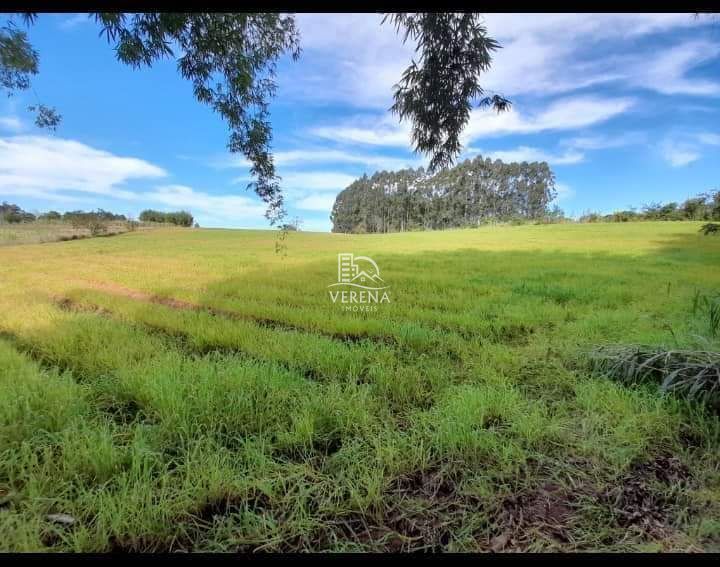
(179, 218)
(693, 374)
(591, 217)
(710, 228)
(11, 213)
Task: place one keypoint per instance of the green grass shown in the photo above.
(192, 390)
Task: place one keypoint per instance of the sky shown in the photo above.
(623, 107)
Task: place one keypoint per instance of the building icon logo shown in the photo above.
(358, 271)
(361, 288)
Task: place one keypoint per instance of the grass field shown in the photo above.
(193, 390)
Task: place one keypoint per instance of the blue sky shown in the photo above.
(623, 107)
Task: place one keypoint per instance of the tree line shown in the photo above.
(179, 218)
(472, 192)
(705, 206)
(12, 213)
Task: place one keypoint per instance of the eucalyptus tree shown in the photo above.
(472, 192)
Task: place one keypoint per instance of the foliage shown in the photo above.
(99, 214)
(46, 117)
(436, 93)
(705, 206)
(11, 213)
(553, 216)
(710, 228)
(694, 374)
(18, 60)
(711, 304)
(179, 218)
(230, 59)
(94, 223)
(468, 194)
(50, 216)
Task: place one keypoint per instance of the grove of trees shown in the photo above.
(468, 194)
(11, 213)
(179, 218)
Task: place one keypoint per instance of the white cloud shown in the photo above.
(683, 148)
(357, 60)
(384, 130)
(378, 161)
(529, 154)
(564, 193)
(32, 164)
(74, 21)
(567, 113)
(584, 26)
(604, 141)
(678, 154)
(666, 73)
(311, 180)
(286, 159)
(229, 207)
(554, 53)
(360, 60)
(316, 203)
(48, 168)
(709, 138)
(317, 180)
(12, 123)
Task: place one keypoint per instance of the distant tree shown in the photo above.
(555, 214)
(693, 208)
(715, 204)
(86, 220)
(622, 216)
(231, 59)
(11, 213)
(705, 206)
(149, 215)
(590, 217)
(50, 216)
